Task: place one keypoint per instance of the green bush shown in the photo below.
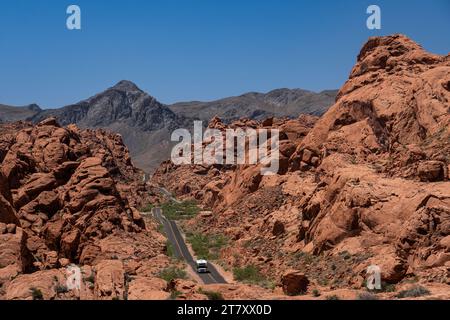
(248, 274)
(179, 211)
(207, 246)
(170, 249)
(212, 295)
(174, 294)
(414, 292)
(172, 273)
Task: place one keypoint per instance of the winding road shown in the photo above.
(181, 250)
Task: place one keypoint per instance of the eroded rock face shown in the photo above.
(64, 195)
(367, 183)
(109, 282)
(393, 111)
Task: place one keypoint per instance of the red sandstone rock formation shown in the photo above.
(69, 196)
(368, 183)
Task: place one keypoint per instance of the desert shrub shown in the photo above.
(249, 274)
(414, 292)
(172, 273)
(333, 297)
(316, 293)
(170, 249)
(367, 296)
(148, 208)
(36, 294)
(207, 246)
(174, 294)
(212, 295)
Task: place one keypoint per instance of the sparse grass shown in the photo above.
(267, 284)
(172, 273)
(304, 257)
(36, 294)
(170, 251)
(180, 211)
(207, 246)
(148, 208)
(248, 274)
(387, 287)
(161, 228)
(367, 296)
(174, 294)
(212, 295)
(414, 292)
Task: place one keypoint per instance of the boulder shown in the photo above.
(144, 288)
(431, 171)
(294, 283)
(109, 280)
(41, 285)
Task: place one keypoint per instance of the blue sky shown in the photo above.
(195, 49)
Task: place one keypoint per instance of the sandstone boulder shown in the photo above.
(431, 171)
(294, 283)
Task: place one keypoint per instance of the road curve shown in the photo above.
(169, 195)
(181, 250)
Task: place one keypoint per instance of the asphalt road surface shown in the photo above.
(169, 195)
(181, 250)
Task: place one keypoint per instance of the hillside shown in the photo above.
(278, 103)
(366, 184)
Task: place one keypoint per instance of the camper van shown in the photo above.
(202, 266)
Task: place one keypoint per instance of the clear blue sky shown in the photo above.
(195, 49)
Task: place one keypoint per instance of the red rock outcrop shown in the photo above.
(368, 183)
(69, 196)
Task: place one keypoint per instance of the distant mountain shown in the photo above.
(277, 103)
(146, 124)
(11, 114)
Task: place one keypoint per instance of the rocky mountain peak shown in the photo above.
(34, 107)
(126, 85)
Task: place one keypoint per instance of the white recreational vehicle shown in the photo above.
(202, 266)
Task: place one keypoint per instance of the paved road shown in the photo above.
(169, 195)
(182, 251)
